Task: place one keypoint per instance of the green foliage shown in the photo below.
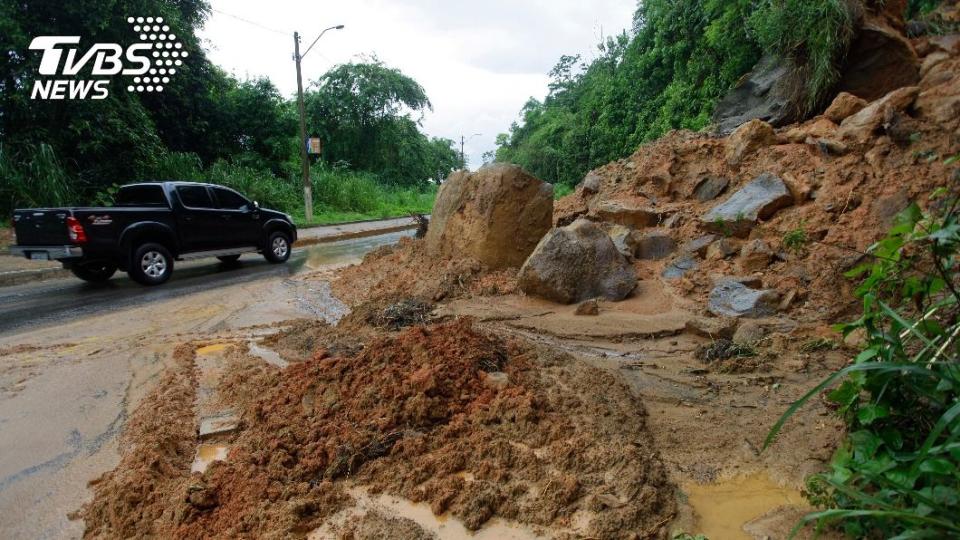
(897, 473)
(364, 113)
(205, 125)
(796, 240)
(681, 58)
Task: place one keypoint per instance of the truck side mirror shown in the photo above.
(256, 206)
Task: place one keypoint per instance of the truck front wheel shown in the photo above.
(96, 271)
(277, 249)
(151, 264)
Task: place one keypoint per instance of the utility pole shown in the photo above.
(304, 158)
(304, 154)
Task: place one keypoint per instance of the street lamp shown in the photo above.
(307, 183)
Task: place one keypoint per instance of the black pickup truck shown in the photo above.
(149, 227)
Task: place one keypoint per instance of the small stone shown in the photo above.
(832, 147)
(787, 300)
(218, 424)
(732, 299)
(749, 333)
(721, 249)
(628, 214)
(710, 187)
(747, 139)
(679, 267)
(712, 327)
(591, 182)
(698, 245)
(625, 239)
(588, 308)
(844, 105)
(755, 256)
(655, 245)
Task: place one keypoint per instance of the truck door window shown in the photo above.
(145, 195)
(230, 200)
(195, 196)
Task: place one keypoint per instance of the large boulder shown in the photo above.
(861, 126)
(880, 60)
(758, 200)
(575, 263)
(766, 93)
(496, 215)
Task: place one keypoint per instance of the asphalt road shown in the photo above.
(43, 303)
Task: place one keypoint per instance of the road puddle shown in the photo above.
(213, 349)
(207, 454)
(345, 252)
(444, 526)
(723, 508)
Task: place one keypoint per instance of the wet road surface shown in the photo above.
(76, 360)
(50, 302)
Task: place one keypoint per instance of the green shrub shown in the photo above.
(897, 474)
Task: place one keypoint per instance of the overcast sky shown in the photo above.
(478, 61)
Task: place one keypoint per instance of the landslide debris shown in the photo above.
(473, 425)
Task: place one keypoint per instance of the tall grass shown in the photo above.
(31, 176)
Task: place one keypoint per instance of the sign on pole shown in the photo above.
(314, 145)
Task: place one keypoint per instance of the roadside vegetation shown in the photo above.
(209, 126)
(668, 73)
(896, 473)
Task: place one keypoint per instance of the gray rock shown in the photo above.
(576, 263)
(625, 239)
(680, 266)
(710, 187)
(760, 199)
(655, 245)
(765, 93)
(732, 299)
(698, 245)
(591, 182)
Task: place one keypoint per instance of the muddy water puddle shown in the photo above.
(444, 526)
(206, 455)
(348, 251)
(723, 508)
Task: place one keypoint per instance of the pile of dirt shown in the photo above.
(410, 270)
(475, 426)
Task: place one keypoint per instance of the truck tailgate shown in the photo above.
(41, 227)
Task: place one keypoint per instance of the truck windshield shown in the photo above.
(141, 196)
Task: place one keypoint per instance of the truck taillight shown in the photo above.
(75, 231)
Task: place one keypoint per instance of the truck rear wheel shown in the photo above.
(94, 271)
(277, 249)
(151, 264)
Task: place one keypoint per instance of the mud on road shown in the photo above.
(76, 361)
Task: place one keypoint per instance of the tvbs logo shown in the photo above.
(146, 66)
